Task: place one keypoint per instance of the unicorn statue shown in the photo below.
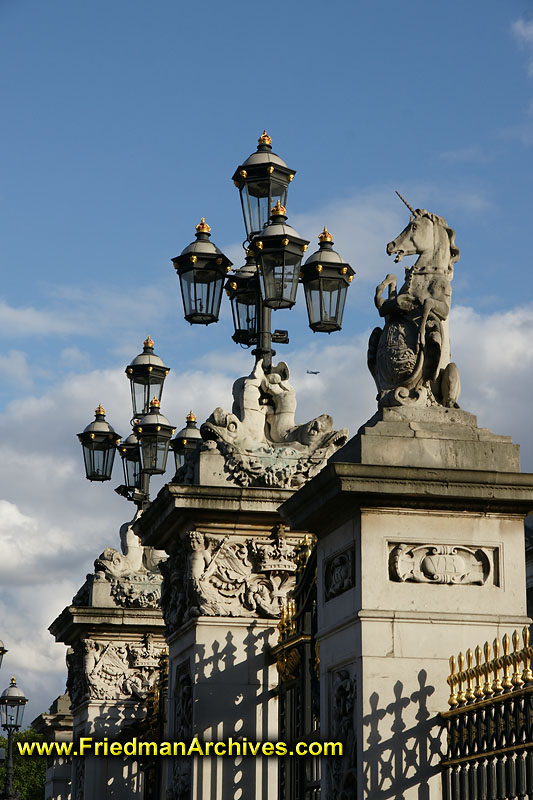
(409, 357)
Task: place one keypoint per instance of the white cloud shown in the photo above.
(472, 154)
(523, 31)
(14, 368)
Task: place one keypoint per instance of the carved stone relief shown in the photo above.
(180, 779)
(259, 440)
(339, 574)
(79, 779)
(218, 576)
(111, 670)
(342, 770)
(442, 564)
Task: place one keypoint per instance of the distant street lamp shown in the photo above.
(3, 651)
(12, 702)
(269, 279)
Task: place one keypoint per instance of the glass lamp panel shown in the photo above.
(255, 204)
(154, 454)
(3, 715)
(132, 472)
(179, 458)
(330, 299)
(278, 191)
(143, 390)
(312, 297)
(292, 273)
(18, 711)
(187, 292)
(343, 291)
(98, 461)
(140, 398)
(202, 293)
(246, 314)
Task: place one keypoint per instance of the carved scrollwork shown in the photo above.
(339, 574)
(342, 770)
(137, 591)
(218, 576)
(111, 670)
(180, 777)
(439, 564)
(287, 664)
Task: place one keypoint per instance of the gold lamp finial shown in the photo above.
(278, 210)
(191, 417)
(100, 409)
(264, 139)
(203, 227)
(325, 236)
(155, 403)
(148, 342)
(13, 681)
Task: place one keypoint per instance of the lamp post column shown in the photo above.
(9, 791)
(264, 340)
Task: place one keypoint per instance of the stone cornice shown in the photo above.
(77, 621)
(333, 495)
(178, 507)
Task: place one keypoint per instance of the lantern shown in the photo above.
(326, 278)
(278, 250)
(12, 702)
(202, 268)
(186, 441)
(243, 292)
(147, 374)
(263, 180)
(130, 453)
(99, 442)
(153, 432)
(3, 651)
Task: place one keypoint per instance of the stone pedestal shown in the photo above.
(56, 726)
(114, 633)
(419, 521)
(230, 568)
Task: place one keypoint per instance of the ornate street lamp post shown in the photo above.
(144, 452)
(12, 702)
(269, 279)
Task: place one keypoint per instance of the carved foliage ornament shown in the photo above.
(439, 563)
(216, 576)
(180, 776)
(339, 574)
(342, 770)
(100, 670)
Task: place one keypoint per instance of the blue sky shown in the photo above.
(122, 125)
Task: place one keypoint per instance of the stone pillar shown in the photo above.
(419, 520)
(114, 633)
(230, 568)
(56, 726)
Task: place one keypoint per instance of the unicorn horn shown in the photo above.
(413, 212)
